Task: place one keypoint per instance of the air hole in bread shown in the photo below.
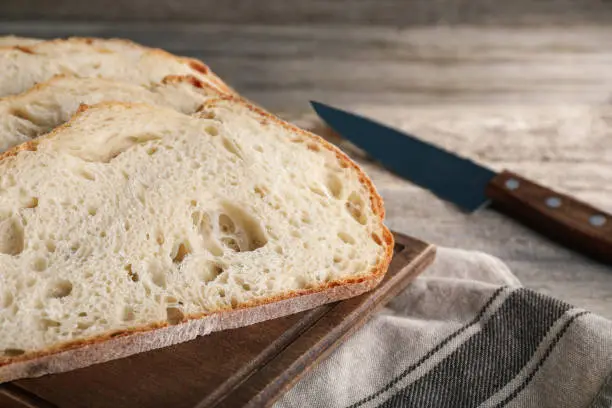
(160, 238)
(82, 314)
(334, 185)
(231, 243)
(221, 292)
(232, 147)
(249, 234)
(261, 191)
(346, 238)
(74, 247)
(306, 218)
(84, 325)
(212, 130)
(314, 147)
(92, 211)
(103, 234)
(21, 113)
(376, 239)
(47, 324)
(11, 236)
(40, 264)
(226, 225)
(179, 253)
(317, 190)
(131, 274)
(141, 198)
(201, 221)
(234, 302)
(60, 289)
(13, 352)
(297, 140)
(114, 146)
(86, 175)
(174, 315)
(296, 234)
(31, 203)
(211, 271)
(6, 298)
(151, 150)
(354, 205)
(279, 250)
(258, 148)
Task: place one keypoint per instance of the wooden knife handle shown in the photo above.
(562, 218)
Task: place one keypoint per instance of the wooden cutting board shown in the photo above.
(251, 366)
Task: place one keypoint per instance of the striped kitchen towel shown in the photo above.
(466, 334)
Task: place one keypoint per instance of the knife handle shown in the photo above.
(562, 218)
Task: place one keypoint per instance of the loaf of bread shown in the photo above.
(133, 227)
(35, 112)
(24, 66)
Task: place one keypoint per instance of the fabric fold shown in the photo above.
(466, 334)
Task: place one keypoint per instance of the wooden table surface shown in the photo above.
(536, 100)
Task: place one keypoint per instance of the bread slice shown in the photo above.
(51, 103)
(134, 227)
(24, 66)
(13, 40)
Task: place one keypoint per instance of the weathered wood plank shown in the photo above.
(388, 12)
(284, 67)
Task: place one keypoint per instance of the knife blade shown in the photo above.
(471, 186)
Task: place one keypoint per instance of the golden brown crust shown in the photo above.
(168, 79)
(111, 348)
(195, 82)
(197, 65)
(88, 41)
(364, 283)
(24, 48)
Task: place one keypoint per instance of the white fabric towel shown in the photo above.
(466, 334)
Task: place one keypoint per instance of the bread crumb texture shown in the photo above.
(40, 109)
(161, 216)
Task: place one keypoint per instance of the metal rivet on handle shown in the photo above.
(553, 202)
(512, 184)
(597, 220)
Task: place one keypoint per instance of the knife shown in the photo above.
(470, 186)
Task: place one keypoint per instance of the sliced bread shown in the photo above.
(24, 66)
(134, 227)
(51, 103)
